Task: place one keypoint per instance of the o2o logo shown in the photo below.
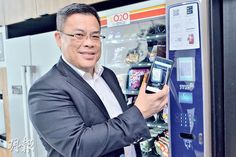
(121, 17)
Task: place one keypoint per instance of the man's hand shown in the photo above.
(149, 104)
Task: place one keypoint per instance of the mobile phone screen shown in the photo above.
(159, 75)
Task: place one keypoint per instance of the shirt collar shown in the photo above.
(97, 72)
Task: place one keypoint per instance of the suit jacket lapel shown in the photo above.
(113, 83)
(77, 81)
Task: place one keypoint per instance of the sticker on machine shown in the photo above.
(184, 27)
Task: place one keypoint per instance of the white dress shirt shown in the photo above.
(105, 94)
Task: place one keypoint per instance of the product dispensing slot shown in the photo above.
(187, 136)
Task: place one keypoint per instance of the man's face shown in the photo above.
(84, 51)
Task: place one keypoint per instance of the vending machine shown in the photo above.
(178, 30)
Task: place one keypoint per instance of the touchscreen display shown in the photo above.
(185, 69)
(186, 97)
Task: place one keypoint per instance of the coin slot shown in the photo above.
(187, 136)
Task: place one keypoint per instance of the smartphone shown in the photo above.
(159, 74)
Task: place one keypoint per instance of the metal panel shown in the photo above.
(217, 79)
(229, 29)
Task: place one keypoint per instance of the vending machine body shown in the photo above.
(190, 114)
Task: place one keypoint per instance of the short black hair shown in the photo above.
(74, 8)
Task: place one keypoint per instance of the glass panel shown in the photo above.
(135, 44)
(129, 51)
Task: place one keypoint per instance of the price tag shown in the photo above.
(118, 19)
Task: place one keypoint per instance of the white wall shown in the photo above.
(45, 52)
(2, 39)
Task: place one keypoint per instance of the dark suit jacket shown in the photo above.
(72, 121)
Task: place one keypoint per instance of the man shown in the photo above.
(78, 108)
